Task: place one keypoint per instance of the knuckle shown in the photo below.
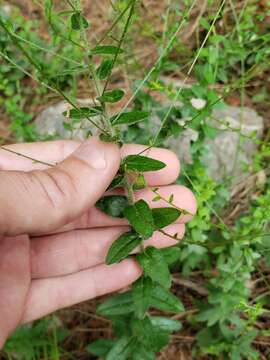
(57, 188)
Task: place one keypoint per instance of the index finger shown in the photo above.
(56, 151)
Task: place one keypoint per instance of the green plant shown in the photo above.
(224, 61)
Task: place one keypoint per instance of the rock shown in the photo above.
(224, 154)
(232, 146)
(227, 152)
(50, 122)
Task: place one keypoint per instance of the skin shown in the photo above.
(53, 241)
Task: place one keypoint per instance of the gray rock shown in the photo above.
(229, 150)
(50, 122)
(225, 153)
(233, 146)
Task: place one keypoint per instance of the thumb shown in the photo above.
(41, 201)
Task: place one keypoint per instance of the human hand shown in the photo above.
(53, 240)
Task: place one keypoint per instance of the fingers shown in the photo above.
(46, 200)
(48, 295)
(74, 251)
(14, 282)
(56, 151)
(183, 198)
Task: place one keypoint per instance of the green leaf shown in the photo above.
(100, 347)
(129, 118)
(142, 163)
(122, 348)
(78, 21)
(155, 266)
(165, 216)
(141, 293)
(139, 182)
(210, 132)
(171, 254)
(122, 247)
(117, 305)
(83, 112)
(113, 205)
(164, 300)
(111, 96)
(143, 354)
(106, 50)
(118, 181)
(166, 324)
(140, 218)
(151, 337)
(109, 138)
(104, 69)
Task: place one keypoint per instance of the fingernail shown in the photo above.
(92, 152)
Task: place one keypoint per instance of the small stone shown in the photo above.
(50, 122)
(198, 104)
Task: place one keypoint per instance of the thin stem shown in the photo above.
(160, 58)
(120, 43)
(26, 156)
(16, 42)
(78, 109)
(39, 68)
(71, 5)
(169, 235)
(115, 22)
(208, 205)
(188, 73)
(183, 211)
(46, 50)
(26, 72)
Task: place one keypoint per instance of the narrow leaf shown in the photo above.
(140, 218)
(165, 216)
(113, 205)
(104, 69)
(155, 266)
(171, 254)
(141, 293)
(100, 347)
(166, 324)
(83, 112)
(143, 354)
(142, 163)
(122, 348)
(122, 247)
(139, 182)
(106, 50)
(78, 21)
(129, 118)
(118, 181)
(151, 337)
(164, 300)
(117, 305)
(111, 96)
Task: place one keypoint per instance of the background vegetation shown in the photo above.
(218, 51)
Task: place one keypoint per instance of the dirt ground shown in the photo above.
(82, 322)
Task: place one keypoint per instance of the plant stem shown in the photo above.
(40, 70)
(120, 42)
(115, 22)
(26, 156)
(183, 211)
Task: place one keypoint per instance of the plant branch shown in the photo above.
(26, 156)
